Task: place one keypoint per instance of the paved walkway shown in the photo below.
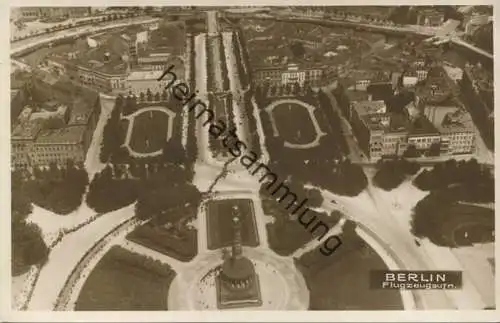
(74, 283)
(235, 87)
(93, 162)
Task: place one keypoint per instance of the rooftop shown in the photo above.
(80, 111)
(65, 135)
(105, 58)
(376, 121)
(422, 126)
(481, 76)
(398, 123)
(369, 107)
(27, 130)
(144, 75)
(375, 76)
(353, 95)
(167, 38)
(449, 118)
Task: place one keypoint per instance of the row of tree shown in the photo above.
(58, 189)
(264, 93)
(131, 103)
(241, 59)
(391, 173)
(28, 247)
(120, 185)
(216, 44)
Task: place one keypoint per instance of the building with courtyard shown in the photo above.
(430, 129)
(56, 129)
(106, 61)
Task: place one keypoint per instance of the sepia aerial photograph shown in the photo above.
(264, 158)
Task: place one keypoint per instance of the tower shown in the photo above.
(237, 283)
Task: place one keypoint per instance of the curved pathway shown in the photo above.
(64, 257)
(310, 109)
(131, 120)
(74, 283)
(397, 243)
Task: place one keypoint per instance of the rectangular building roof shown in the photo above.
(27, 130)
(449, 118)
(369, 107)
(144, 75)
(422, 126)
(65, 135)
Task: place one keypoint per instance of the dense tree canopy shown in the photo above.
(469, 181)
(58, 190)
(391, 173)
(28, 247)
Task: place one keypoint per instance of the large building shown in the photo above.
(56, 129)
(100, 62)
(429, 129)
(370, 120)
(477, 90)
(456, 128)
(146, 81)
(423, 135)
(288, 74)
(430, 17)
(105, 61)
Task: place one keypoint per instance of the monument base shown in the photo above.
(227, 298)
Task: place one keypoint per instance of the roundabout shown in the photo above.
(282, 286)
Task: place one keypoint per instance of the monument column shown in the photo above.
(237, 284)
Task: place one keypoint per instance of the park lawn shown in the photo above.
(340, 281)
(294, 123)
(220, 224)
(288, 235)
(149, 132)
(125, 281)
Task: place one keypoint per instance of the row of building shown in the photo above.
(429, 122)
(430, 130)
(54, 12)
(289, 74)
(55, 124)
